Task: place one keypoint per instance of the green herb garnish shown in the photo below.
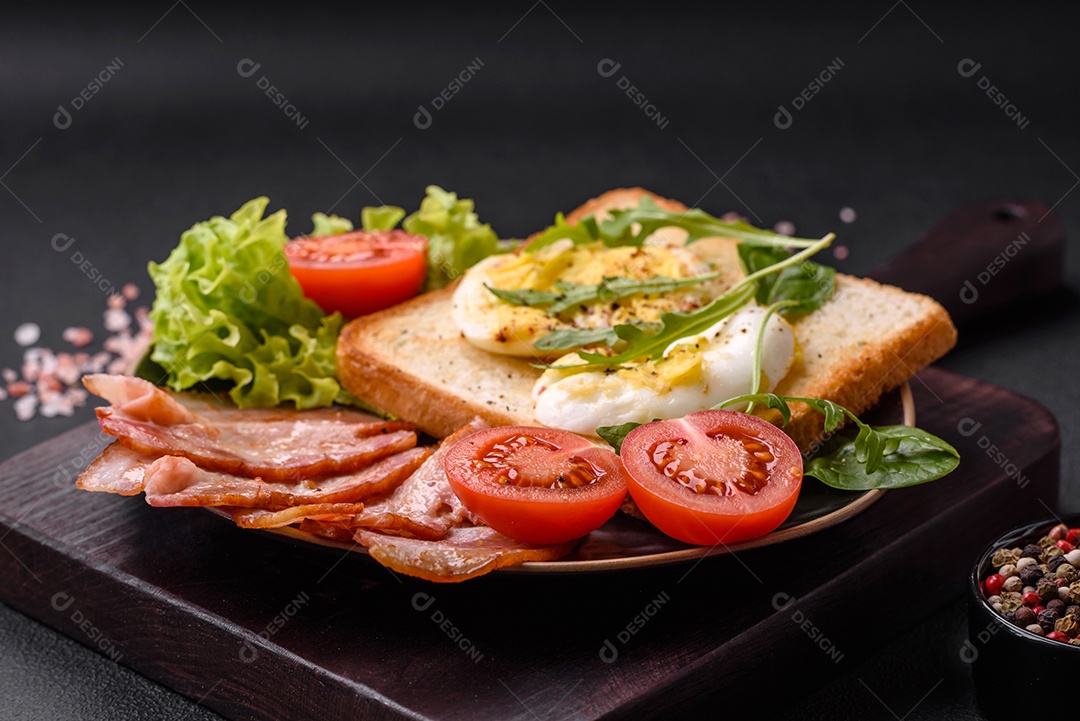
(632, 225)
(568, 295)
(873, 456)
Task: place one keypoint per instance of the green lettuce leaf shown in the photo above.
(456, 238)
(383, 217)
(228, 310)
(329, 225)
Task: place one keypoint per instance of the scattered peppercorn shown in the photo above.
(1057, 636)
(1065, 546)
(1053, 563)
(1058, 532)
(1073, 557)
(1031, 551)
(1030, 575)
(1057, 606)
(1067, 625)
(1012, 583)
(1047, 619)
(1072, 611)
(1030, 599)
(1024, 616)
(1046, 589)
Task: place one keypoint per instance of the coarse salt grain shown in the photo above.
(116, 320)
(27, 334)
(785, 227)
(25, 407)
(78, 337)
(17, 389)
(847, 215)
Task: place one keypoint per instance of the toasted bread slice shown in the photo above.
(412, 362)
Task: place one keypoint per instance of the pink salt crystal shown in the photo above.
(78, 337)
(98, 362)
(67, 370)
(82, 359)
(3, 394)
(130, 291)
(27, 334)
(117, 301)
(77, 396)
(785, 227)
(25, 407)
(48, 385)
(117, 366)
(31, 369)
(841, 252)
(18, 388)
(116, 320)
(9, 375)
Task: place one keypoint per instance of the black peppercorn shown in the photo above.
(1057, 606)
(1024, 617)
(1054, 562)
(1072, 611)
(1010, 616)
(1030, 575)
(1031, 551)
(1047, 619)
(1046, 589)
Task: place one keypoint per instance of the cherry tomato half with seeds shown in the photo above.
(359, 272)
(537, 485)
(713, 476)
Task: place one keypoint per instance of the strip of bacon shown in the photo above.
(171, 481)
(322, 512)
(424, 506)
(279, 445)
(462, 554)
(117, 470)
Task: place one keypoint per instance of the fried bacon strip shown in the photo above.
(117, 470)
(279, 445)
(424, 506)
(176, 481)
(462, 554)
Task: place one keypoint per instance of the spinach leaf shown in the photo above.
(615, 435)
(908, 457)
(873, 456)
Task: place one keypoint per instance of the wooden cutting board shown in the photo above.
(257, 628)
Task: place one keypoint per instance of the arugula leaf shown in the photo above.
(808, 283)
(632, 225)
(329, 225)
(383, 217)
(583, 337)
(615, 435)
(910, 456)
(568, 295)
(644, 344)
(582, 233)
(874, 457)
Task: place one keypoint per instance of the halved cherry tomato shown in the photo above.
(537, 485)
(714, 476)
(359, 272)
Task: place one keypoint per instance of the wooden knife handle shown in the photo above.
(983, 256)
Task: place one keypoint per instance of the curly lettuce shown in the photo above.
(456, 238)
(229, 311)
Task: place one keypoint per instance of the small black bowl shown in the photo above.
(1013, 667)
